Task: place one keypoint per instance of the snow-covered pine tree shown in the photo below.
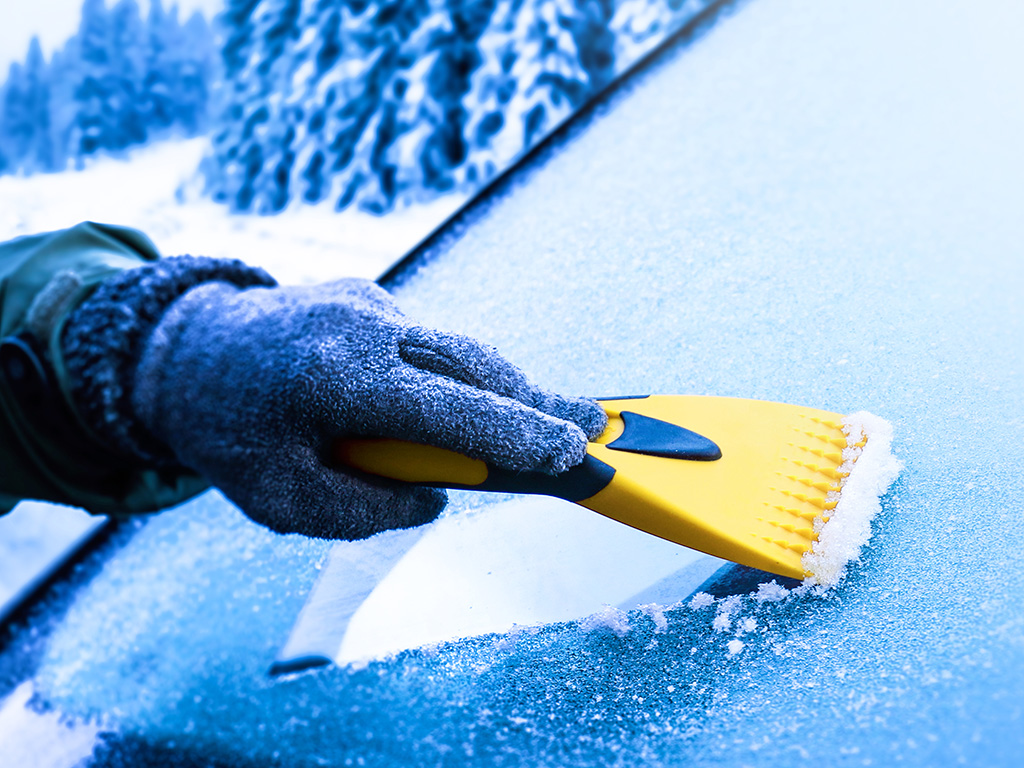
(441, 159)
(592, 33)
(330, 43)
(24, 115)
(127, 71)
(226, 168)
(402, 104)
(358, 101)
(639, 25)
(158, 83)
(307, 114)
(63, 107)
(15, 129)
(180, 71)
(277, 29)
(93, 125)
(5, 163)
(43, 155)
(195, 76)
(533, 77)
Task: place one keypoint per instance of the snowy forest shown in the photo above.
(120, 81)
(345, 102)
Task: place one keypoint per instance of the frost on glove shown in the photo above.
(250, 385)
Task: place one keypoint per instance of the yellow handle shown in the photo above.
(418, 463)
(410, 462)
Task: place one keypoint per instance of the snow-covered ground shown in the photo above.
(156, 189)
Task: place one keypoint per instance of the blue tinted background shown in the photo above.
(816, 204)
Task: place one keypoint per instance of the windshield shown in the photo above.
(814, 204)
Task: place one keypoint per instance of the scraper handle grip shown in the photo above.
(627, 432)
(441, 468)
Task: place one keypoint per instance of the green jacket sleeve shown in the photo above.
(46, 452)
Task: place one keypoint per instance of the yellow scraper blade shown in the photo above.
(780, 473)
(759, 499)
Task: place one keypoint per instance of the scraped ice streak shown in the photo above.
(871, 469)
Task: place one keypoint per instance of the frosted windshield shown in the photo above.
(816, 203)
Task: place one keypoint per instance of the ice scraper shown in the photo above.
(746, 480)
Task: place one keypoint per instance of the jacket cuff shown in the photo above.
(103, 339)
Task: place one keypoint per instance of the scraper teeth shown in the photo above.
(812, 516)
(799, 548)
(826, 471)
(836, 458)
(839, 442)
(827, 423)
(816, 484)
(807, 533)
(816, 501)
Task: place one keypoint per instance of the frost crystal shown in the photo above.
(701, 600)
(771, 592)
(609, 618)
(657, 614)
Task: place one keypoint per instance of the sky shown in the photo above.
(56, 20)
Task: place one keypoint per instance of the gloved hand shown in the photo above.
(249, 388)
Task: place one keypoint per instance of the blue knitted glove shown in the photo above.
(249, 387)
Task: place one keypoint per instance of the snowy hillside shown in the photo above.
(154, 189)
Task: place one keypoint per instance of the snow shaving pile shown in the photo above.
(872, 469)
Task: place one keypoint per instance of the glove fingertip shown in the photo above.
(566, 450)
(587, 414)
